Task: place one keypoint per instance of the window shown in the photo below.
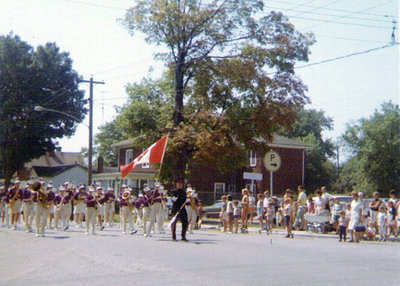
(232, 188)
(145, 166)
(219, 187)
(128, 156)
(253, 158)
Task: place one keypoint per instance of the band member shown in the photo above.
(100, 200)
(146, 211)
(15, 196)
(44, 199)
(58, 206)
(164, 208)
(28, 206)
(109, 207)
(91, 210)
(79, 204)
(178, 198)
(191, 208)
(155, 208)
(5, 218)
(125, 211)
(51, 208)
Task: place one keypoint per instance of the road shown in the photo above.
(209, 258)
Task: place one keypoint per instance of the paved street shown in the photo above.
(210, 258)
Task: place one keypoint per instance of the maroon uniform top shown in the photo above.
(155, 196)
(3, 196)
(90, 201)
(83, 195)
(110, 197)
(27, 196)
(123, 202)
(57, 199)
(11, 194)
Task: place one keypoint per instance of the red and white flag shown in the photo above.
(153, 154)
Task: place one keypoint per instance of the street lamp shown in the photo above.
(90, 127)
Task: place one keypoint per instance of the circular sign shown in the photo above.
(272, 161)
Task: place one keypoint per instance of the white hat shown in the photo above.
(17, 181)
(49, 185)
(157, 184)
(81, 187)
(146, 189)
(123, 187)
(161, 188)
(61, 189)
(99, 188)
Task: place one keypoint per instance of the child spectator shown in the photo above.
(371, 234)
(229, 214)
(288, 211)
(382, 222)
(310, 206)
(392, 224)
(336, 209)
(222, 214)
(269, 217)
(236, 215)
(260, 212)
(348, 211)
(343, 222)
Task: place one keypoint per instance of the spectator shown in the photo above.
(374, 207)
(320, 203)
(267, 199)
(355, 216)
(336, 209)
(229, 214)
(252, 206)
(199, 215)
(310, 206)
(222, 214)
(288, 211)
(343, 222)
(236, 215)
(392, 224)
(382, 223)
(301, 208)
(269, 216)
(245, 210)
(260, 211)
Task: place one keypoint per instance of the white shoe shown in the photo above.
(145, 235)
(27, 231)
(87, 233)
(191, 232)
(13, 227)
(149, 235)
(37, 235)
(123, 232)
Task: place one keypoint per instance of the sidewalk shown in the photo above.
(214, 224)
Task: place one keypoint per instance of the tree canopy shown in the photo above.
(375, 146)
(30, 77)
(232, 73)
(320, 171)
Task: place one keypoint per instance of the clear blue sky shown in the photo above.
(346, 89)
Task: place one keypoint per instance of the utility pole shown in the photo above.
(90, 151)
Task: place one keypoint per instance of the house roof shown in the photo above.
(284, 142)
(55, 159)
(122, 144)
(52, 171)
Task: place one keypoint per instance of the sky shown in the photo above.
(348, 88)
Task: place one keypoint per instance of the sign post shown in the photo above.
(272, 162)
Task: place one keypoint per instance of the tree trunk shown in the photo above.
(179, 159)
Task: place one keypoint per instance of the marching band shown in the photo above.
(39, 203)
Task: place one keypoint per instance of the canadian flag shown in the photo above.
(153, 154)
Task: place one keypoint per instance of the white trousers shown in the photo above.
(126, 217)
(29, 213)
(40, 218)
(156, 214)
(192, 216)
(90, 219)
(145, 218)
(108, 213)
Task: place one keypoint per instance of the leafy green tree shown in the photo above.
(375, 146)
(31, 77)
(233, 72)
(310, 124)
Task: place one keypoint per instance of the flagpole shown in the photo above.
(162, 158)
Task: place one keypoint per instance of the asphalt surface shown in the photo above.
(209, 258)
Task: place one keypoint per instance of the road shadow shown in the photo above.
(191, 241)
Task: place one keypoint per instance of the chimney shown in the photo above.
(100, 164)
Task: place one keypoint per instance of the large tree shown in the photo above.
(233, 71)
(375, 147)
(31, 77)
(320, 171)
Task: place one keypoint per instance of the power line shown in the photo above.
(333, 9)
(349, 14)
(123, 66)
(95, 5)
(347, 56)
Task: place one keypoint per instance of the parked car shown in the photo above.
(213, 210)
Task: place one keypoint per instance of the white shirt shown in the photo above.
(320, 204)
(382, 217)
(302, 200)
